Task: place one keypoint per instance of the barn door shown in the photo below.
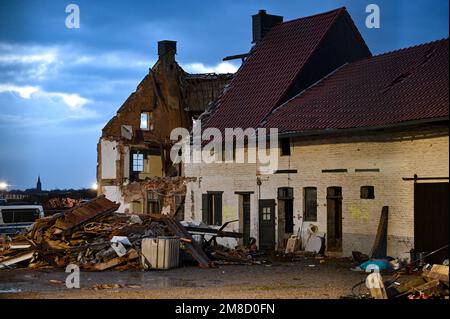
(431, 219)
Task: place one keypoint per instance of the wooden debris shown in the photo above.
(376, 286)
(438, 272)
(16, 259)
(132, 254)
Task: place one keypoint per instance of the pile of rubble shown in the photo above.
(84, 235)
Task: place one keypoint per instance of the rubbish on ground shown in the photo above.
(119, 248)
(359, 256)
(376, 264)
(314, 244)
(6, 263)
(96, 238)
(375, 284)
(106, 286)
(428, 284)
(292, 244)
(121, 239)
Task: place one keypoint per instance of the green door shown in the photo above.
(266, 224)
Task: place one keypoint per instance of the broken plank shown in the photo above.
(132, 254)
(443, 278)
(17, 259)
(427, 286)
(376, 286)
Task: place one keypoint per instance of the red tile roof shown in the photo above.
(400, 86)
(269, 71)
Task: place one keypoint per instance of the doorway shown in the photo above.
(285, 215)
(431, 219)
(334, 218)
(244, 217)
(266, 224)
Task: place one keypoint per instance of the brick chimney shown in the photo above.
(262, 23)
(167, 47)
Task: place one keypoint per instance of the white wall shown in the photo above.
(109, 155)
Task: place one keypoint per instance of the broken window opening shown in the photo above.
(367, 192)
(146, 121)
(212, 208)
(310, 195)
(153, 202)
(179, 207)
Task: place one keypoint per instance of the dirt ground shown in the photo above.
(305, 279)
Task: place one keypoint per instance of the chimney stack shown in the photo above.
(167, 47)
(262, 23)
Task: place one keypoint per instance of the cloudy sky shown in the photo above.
(59, 86)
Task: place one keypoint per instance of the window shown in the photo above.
(367, 192)
(285, 193)
(146, 121)
(138, 162)
(153, 202)
(285, 146)
(212, 208)
(266, 214)
(310, 204)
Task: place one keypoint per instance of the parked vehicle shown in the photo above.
(16, 218)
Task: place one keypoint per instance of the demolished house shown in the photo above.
(357, 133)
(134, 166)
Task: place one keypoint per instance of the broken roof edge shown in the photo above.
(207, 76)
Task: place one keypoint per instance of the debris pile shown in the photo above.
(405, 282)
(61, 203)
(94, 237)
(83, 234)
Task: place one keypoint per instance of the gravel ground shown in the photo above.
(304, 279)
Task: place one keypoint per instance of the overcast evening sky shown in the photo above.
(59, 86)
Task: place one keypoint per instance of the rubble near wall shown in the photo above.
(166, 187)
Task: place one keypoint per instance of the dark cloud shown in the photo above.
(96, 67)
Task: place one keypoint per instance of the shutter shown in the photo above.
(205, 209)
(218, 209)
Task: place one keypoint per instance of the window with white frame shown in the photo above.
(146, 121)
(138, 162)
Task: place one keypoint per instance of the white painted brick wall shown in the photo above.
(395, 159)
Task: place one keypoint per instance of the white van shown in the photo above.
(15, 218)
